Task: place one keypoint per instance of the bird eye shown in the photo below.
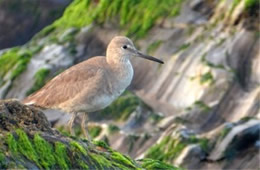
(124, 47)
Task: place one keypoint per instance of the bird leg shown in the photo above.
(71, 122)
(84, 127)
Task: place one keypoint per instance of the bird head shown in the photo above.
(122, 48)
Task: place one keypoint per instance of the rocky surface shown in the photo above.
(29, 142)
(198, 110)
(20, 20)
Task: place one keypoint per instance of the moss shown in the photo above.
(203, 142)
(12, 145)
(207, 78)
(113, 129)
(102, 161)
(25, 147)
(246, 118)
(251, 3)
(183, 47)
(151, 164)
(83, 165)
(101, 144)
(39, 80)
(153, 46)
(121, 159)
(39, 151)
(121, 108)
(224, 132)
(94, 131)
(169, 148)
(2, 160)
(12, 58)
(131, 19)
(43, 148)
(77, 147)
(203, 106)
(21, 64)
(46, 31)
(61, 155)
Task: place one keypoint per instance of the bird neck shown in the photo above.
(123, 69)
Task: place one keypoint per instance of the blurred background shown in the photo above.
(200, 110)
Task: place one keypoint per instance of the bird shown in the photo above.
(92, 84)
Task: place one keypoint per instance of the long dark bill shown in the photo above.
(139, 54)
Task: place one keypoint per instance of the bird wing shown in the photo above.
(65, 86)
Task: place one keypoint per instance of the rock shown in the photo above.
(32, 16)
(29, 142)
(190, 157)
(235, 137)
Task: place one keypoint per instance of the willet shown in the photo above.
(90, 85)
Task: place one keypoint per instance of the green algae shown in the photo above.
(25, 147)
(39, 80)
(11, 142)
(94, 131)
(121, 108)
(61, 155)
(37, 150)
(44, 149)
(170, 148)
(224, 132)
(183, 47)
(153, 46)
(207, 78)
(55, 155)
(134, 21)
(77, 147)
(151, 164)
(102, 144)
(15, 60)
(2, 161)
(121, 159)
(113, 129)
(102, 161)
(201, 105)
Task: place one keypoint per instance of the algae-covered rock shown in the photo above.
(28, 141)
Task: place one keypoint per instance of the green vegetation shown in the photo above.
(224, 132)
(16, 60)
(151, 164)
(94, 131)
(207, 78)
(113, 129)
(44, 149)
(201, 105)
(183, 47)
(246, 118)
(47, 154)
(39, 80)
(122, 107)
(153, 46)
(134, 21)
(77, 147)
(122, 159)
(169, 148)
(2, 160)
(61, 155)
(251, 3)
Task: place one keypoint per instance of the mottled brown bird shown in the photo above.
(91, 85)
